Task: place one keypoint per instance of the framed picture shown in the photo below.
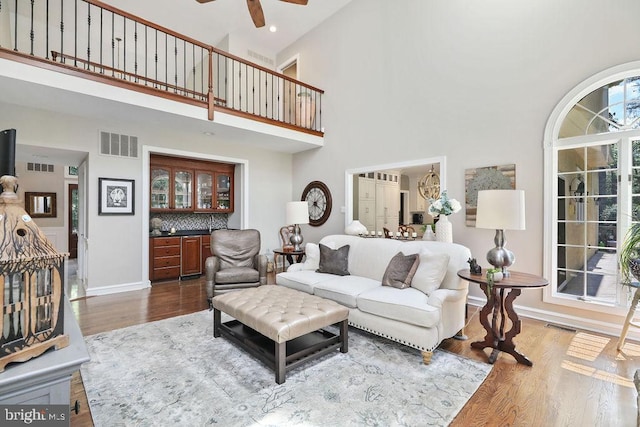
(116, 196)
(487, 178)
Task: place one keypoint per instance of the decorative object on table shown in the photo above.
(474, 267)
(501, 210)
(428, 233)
(116, 196)
(297, 213)
(318, 197)
(356, 228)
(487, 178)
(442, 208)
(156, 224)
(32, 279)
(429, 185)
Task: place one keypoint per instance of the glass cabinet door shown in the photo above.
(160, 188)
(204, 184)
(183, 189)
(223, 191)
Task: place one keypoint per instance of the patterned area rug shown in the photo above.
(174, 373)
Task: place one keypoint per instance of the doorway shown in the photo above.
(72, 214)
(288, 91)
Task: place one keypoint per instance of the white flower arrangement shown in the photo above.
(444, 205)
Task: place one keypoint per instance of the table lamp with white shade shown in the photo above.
(500, 210)
(297, 213)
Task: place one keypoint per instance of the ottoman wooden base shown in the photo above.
(287, 351)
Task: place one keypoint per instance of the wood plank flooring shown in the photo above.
(577, 379)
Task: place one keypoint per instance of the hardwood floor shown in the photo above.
(578, 378)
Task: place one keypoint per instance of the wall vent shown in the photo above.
(40, 167)
(260, 58)
(115, 144)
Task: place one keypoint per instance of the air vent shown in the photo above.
(114, 144)
(40, 167)
(260, 58)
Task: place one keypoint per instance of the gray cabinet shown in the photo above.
(46, 379)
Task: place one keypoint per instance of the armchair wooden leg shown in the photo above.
(426, 357)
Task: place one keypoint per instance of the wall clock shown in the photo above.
(318, 196)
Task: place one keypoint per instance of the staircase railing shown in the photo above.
(94, 40)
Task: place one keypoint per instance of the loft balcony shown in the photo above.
(53, 43)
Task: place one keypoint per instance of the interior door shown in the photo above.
(72, 230)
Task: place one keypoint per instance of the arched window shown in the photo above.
(592, 188)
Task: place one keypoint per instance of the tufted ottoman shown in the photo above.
(281, 326)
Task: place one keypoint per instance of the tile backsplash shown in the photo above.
(187, 221)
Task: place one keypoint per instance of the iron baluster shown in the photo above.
(113, 44)
(31, 34)
(75, 34)
(15, 27)
(89, 35)
(135, 50)
(61, 32)
(46, 44)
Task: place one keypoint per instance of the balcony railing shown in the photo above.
(93, 40)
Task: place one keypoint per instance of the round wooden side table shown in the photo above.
(289, 257)
(499, 305)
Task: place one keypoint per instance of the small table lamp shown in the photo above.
(501, 210)
(297, 213)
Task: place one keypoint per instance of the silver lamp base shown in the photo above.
(500, 257)
(296, 238)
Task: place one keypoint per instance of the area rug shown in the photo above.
(174, 373)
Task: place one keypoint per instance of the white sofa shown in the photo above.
(420, 316)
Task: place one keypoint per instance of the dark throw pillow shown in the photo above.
(334, 261)
(400, 270)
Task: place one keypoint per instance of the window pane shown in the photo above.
(602, 183)
(574, 233)
(607, 208)
(571, 160)
(573, 283)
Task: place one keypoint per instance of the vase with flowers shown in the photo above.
(442, 208)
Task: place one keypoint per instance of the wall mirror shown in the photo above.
(40, 205)
(385, 196)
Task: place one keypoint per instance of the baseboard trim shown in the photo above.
(592, 325)
(114, 289)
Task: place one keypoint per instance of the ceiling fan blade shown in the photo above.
(255, 10)
(302, 2)
(204, 1)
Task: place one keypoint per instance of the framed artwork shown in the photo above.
(71, 172)
(487, 178)
(116, 196)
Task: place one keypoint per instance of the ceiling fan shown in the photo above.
(255, 9)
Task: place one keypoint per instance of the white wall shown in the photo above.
(472, 81)
(116, 257)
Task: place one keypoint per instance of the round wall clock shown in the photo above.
(318, 196)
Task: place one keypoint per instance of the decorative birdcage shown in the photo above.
(32, 280)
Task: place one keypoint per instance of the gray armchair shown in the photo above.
(236, 262)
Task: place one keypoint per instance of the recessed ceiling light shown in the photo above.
(273, 28)
(209, 133)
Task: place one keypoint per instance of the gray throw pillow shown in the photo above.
(334, 261)
(401, 270)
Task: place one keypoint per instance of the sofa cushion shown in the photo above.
(312, 255)
(304, 280)
(237, 275)
(334, 261)
(430, 271)
(400, 270)
(345, 289)
(405, 305)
